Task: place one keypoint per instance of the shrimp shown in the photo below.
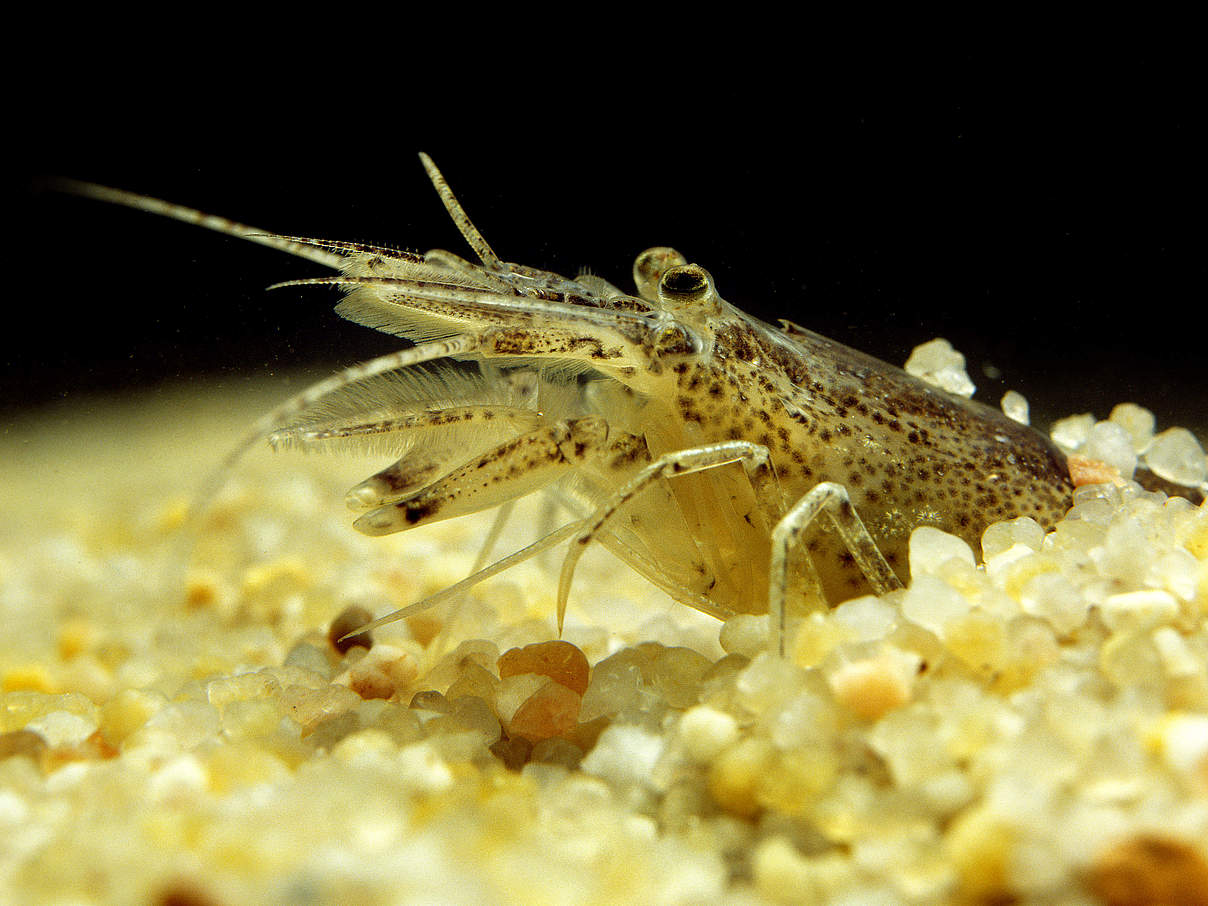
(696, 443)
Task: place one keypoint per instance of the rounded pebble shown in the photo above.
(384, 672)
(350, 618)
(1015, 407)
(870, 689)
(1137, 421)
(553, 710)
(1111, 445)
(1150, 870)
(1028, 731)
(931, 550)
(1177, 456)
(936, 362)
(560, 661)
(705, 731)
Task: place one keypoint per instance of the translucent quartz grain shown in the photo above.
(309, 657)
(251, 718)
(1177, 456)
(475, 680)
(624, 755)
(483, 652)
(1178, 658)
(735, 775)
(62, 728)
(1177, 571)
(514, 691)
(869, 617)
(1134, 610)
(1015, 406)
(1109, 443)
(189, 723)
(675, 675)
(766, 683)
(705, 732)
(552, 710)
(783, 875)
(1007, 734)
(1071, 432)
(979, 640)
(1184, 741)
(802, 720)
(745, 634)
(1137, 422)
(1054, 597)
(1001, 536)
(430, 700)
(936, 362)
(556, 750)
(468, 714)
(225, 690)
(1130, 658)
(931, 549)
(385, 671)
(616, 684)
(127, 711)
(1124, 554)
(815, 638)
(932, 604)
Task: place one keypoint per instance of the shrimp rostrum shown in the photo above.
(693, 441)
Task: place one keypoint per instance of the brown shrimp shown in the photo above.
(692, 440)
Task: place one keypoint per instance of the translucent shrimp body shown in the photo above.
(695, 442)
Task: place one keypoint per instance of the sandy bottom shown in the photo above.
(1025, 723)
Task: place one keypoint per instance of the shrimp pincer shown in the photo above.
(695, 442)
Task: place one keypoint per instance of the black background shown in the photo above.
(1047, 219)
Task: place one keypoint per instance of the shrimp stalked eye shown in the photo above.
(686, 284)
(649, 267)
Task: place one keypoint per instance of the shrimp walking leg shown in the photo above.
(754, 457)
(832, 499)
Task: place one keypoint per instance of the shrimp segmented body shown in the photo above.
(693, 441)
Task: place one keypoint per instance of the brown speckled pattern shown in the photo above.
(616, 402)
(669, 374)
(908, 453)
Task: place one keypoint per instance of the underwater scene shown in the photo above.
(991, 687)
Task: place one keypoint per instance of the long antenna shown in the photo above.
(301, 248)
(468, 231)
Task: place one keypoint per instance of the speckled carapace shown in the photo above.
(693, 441)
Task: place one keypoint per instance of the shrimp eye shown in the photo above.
(650, 266)
(688, 280)
(686, 283)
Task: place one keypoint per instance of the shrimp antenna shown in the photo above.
(310, 249)
(467, 229)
